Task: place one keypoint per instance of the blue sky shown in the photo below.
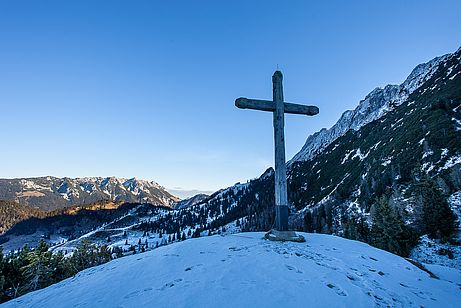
(146, 88)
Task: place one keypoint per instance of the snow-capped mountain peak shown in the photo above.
(52, 193)
(376, 104)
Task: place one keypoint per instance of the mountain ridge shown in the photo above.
(375, 104)
(50, 193)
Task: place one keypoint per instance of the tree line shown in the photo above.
(28, 269)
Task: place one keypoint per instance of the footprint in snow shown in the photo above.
(132, 294)
(236, 248)
(192, 267)
(170, 284)
(351, 277)
(337, 289)
(292, 268)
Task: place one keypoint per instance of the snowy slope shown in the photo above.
(243, 270)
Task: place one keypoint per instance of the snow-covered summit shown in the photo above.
(243, 270)
(377, 103)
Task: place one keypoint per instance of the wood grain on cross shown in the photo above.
(279, 108)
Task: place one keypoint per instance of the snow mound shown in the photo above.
(243, 270)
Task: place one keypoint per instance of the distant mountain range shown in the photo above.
(51, 193)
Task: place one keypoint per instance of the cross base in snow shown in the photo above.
(284, 236)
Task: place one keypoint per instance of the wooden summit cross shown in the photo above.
(279, 108)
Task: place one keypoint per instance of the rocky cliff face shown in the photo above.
(376, 104)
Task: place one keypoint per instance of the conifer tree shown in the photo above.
(2, 276)
(388, 231)
(37, 272)
(438, 220)
(178, 234)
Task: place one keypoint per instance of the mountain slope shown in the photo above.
(183, 204)
(243, 270)
(12, 213)
(420, 137)
(375, 105)
(50, 193)
(67, 227)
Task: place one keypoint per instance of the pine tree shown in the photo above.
(178, 234)
(38, 270)
(363, 230)
(388, 231)
(196, 233)
(84, 256)
(308, 221)
(103, 254)
(350, 229)
(438, 220)
(61, 267)
(2, 276)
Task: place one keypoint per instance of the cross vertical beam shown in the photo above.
(278, 107)
(281, 199)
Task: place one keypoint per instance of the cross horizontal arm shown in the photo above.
(257, 104)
